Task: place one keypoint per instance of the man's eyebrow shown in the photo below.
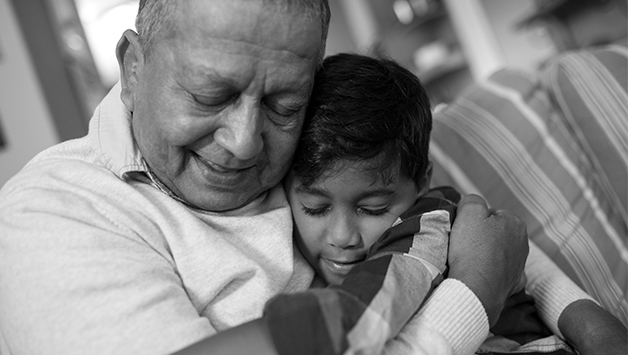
(203, 75)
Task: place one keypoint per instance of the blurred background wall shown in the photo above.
(26, 125)
(57, 57)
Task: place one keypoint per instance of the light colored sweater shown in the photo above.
(95, 259)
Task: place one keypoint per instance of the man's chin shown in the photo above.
(228, 202)
(220, 202)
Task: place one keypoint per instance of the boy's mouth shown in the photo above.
(341, 266)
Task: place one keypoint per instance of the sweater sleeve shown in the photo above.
(552, 290)
(75, 283)
(452, 321)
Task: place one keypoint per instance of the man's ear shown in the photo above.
(131, 61)
(426, 179)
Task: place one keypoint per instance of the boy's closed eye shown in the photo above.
(322, 211)
(316, 212)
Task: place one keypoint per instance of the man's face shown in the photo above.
(340, 217)
(218, 107)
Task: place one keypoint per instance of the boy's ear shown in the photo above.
(131, 61)
(424, 184)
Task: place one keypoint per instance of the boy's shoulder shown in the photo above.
(439, 198)
(447, 193)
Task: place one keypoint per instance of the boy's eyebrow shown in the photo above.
(310, 191)
(381, 192)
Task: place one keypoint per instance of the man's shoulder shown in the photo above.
(63, 165)
(67, 179)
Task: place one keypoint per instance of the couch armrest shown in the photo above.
(589, 87)
(504, 140)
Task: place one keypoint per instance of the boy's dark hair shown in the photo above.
(365, 110)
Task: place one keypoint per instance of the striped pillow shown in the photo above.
(590, 87)
(503, 140)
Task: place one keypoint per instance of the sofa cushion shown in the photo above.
(503, 140)
(589, 87)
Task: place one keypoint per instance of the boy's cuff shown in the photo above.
(455, 311)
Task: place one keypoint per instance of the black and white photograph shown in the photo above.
(314, 177)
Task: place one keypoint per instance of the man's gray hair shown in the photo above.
(153, 21)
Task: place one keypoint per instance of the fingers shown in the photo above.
(472, 204)
(492, 243)
(496, 212)
(473, 200)
(478, 203)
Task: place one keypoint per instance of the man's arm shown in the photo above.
(488, 250)
(489, 242)
(569, 311)
(375, 300)
(333, 320)
(249, 338)
(73, 283)
(592, 330)
(452, 321)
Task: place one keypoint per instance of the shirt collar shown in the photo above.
(111, 128)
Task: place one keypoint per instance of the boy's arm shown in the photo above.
(378, 296)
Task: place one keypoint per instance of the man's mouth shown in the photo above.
(218, 168)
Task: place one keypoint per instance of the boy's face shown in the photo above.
(338, 218)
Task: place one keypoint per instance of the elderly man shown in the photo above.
(167, 224)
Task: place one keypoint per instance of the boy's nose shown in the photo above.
(344, 233)
(240, 131)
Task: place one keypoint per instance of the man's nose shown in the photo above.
(344, 232)
(241, 131)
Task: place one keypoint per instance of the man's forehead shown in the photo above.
(250, 21)
(223, 72)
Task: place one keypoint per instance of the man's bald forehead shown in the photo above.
(154, 19)
(303, 4)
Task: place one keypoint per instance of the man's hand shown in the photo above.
(593, 330)
(487, 252)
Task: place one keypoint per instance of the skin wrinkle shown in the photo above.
(249, 33)
(209, 75)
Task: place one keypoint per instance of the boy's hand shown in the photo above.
(487, 252)
(592, 330)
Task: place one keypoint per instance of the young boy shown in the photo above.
(362, 166)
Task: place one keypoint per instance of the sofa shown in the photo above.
(552, 147)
